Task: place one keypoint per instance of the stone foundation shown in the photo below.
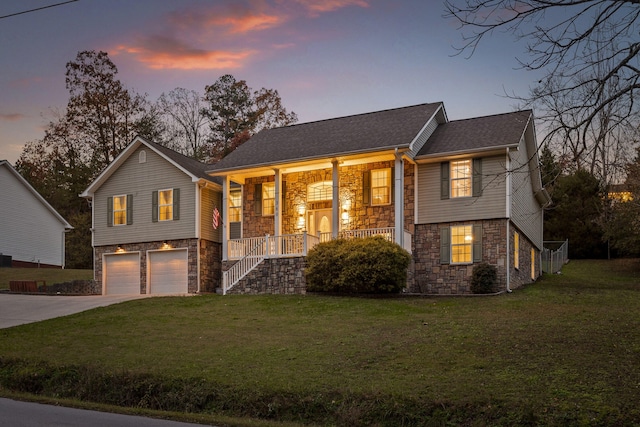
(274, 276)
(209, 266)
(432, 277)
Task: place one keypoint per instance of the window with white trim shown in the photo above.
(516, 250)
(461, 178)
(268, 198)
(320, 191)
(381, 186)
(461, 244)
(165, 205)
(235, 205)
(120, 210)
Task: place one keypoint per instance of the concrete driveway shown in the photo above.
(16, 309)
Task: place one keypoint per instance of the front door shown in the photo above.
(320, 222)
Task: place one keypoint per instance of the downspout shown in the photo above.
(508, 261)
(225, 215)
(508, 255)
(398, 183)
(199, 186)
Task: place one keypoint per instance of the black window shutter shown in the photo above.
(283, 207)
(477, 243)
(444, 180)
(445, 245)
(154, 206)
(109, 211)
(366, 188)
(257, 197)
(477, 177)
(393, 184)
(129, 209)
(176, 204)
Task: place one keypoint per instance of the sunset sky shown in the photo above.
(326, 58)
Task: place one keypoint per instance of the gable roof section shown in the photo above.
(38, 196)
(191, 167)
(362, 133)
(477, 134)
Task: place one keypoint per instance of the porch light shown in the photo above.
(119, 249)
(165, 245)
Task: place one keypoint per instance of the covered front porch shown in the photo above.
(250, 252)
(274, 212)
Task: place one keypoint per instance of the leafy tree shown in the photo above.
(576, 215)
(623, 226)
(101, 118)
(103, 112)
(236, 113)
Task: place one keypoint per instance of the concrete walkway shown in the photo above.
(17, 309)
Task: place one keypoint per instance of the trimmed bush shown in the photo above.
(368, 265)
(484, 279)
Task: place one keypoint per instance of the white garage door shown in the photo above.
(122, 274)
(168, 272)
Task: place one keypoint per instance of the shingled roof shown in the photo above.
(192, 165)
(477, 134)
(360, 133)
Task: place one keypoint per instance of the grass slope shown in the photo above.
(563, 351)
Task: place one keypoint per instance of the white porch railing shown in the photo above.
(253, 256)
(252, 251)
(273, 246)
(299, 244)
(388, 233)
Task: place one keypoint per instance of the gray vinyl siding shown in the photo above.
(526, 213)
(491, 204)
(29, 231)
(210, 200)
(420, 141)
(141, 180)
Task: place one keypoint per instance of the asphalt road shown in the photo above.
(16, 309)
(26, 414)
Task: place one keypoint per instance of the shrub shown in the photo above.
(484, 279)
(368, 265)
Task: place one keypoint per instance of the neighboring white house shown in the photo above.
(32, 232)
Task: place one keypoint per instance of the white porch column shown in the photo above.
(335, 205)
(225, 218)
(278, 208)
(398, 182)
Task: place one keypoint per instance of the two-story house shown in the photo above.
(152, 212)
(453, 193)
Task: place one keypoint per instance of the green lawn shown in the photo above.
(50, 275)
(563, 351)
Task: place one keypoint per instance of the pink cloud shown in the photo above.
(167, 53)
(26, 82)
(189, 34)
(12, 117)
(323, 6)
(235, 20)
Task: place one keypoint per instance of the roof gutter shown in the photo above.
(271, 165)
(498, 149)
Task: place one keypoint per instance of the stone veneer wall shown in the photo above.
(254, 224)
(361, 216)
(274, 276)
(142, 248)
(431, 277)
(522, 275)
(210, 265)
